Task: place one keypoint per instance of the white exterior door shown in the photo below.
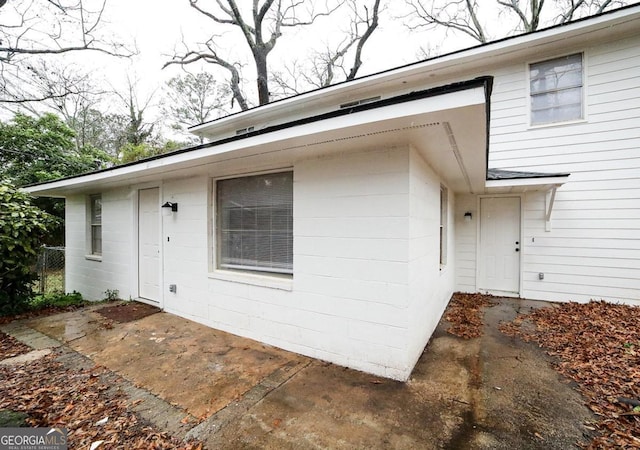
(499, 250)
(149, 244)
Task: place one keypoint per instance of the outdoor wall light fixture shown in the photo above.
(467, 216)
(168, 208)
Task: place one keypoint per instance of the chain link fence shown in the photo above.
(50, 270)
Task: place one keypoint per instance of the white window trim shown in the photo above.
(527, 70)
(89, 255)
(263, 279)
(284, 283)
(443, 227)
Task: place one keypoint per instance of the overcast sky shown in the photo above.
(157, 27)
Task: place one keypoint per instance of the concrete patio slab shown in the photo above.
(493, 392)
(187, 364)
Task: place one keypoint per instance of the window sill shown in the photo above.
(97, 258)
(557, 124)
(284, 284)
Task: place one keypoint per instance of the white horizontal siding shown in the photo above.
(592, 250)
(465, 243)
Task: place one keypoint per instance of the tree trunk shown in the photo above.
(263, 76)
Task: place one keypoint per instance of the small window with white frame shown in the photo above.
(444, 212)
(556, 89)
(254, 223)
(95, 224)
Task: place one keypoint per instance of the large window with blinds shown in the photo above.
(255, 223)
(556, 90)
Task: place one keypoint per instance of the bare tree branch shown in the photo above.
(138, 131)
(458, 15)
(463, 15)
(46, 29)
(32, 37)
(323, 67)
(534, 10)
(605, 5)
(567, 15)
(290, 19)
(572, 8)
(372, 24)
(194, 99)
(211, 56)
(270, 15)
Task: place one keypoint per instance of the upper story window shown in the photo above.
(95, 222)
(255, 223)
(556, 90)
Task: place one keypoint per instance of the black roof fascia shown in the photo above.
(433, 58)
(485, 82)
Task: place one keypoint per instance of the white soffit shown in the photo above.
(418, 122)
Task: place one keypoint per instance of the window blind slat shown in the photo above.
(255, 220)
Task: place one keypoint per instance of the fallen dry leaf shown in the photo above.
(95, 445)
(10, 347)
(596, 346)
(55, 396)
(465, 314)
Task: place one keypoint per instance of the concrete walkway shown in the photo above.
(494, 392)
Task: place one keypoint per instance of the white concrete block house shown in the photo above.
(338, 223)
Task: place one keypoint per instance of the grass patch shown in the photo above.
(41, 304)
(56, 300)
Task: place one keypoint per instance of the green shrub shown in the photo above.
(22, 227)
(56, 300)
(111, 295)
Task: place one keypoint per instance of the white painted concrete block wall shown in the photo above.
(593, 249)
(350, 258)
(349, 299)
(366, 293)
(430, 285)
(75, 245)
(93, 278)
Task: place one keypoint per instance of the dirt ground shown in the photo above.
(127, 312)
(491, 392)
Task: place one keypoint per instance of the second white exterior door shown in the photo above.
(499, 247)
(149, 244)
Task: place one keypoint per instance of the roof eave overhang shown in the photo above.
(388, 122)
(520, 185)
